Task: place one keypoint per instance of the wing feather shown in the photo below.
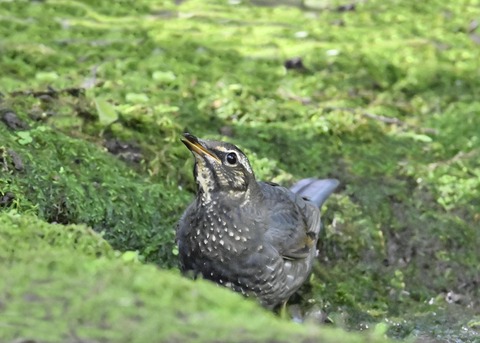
(294, 224)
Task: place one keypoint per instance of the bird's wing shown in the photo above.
(294, 223)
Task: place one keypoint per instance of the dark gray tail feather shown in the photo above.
(315, 190)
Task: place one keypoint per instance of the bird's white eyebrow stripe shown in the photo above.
(221, 148)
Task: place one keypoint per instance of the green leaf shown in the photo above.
(161, 108)
(130, 256)
(24, 137)
(416, 137)
(106, 112)
(136, 97)
(163, 76)
(46, 76)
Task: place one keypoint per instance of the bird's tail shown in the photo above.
(315, 190)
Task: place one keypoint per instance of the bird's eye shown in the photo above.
(231, 158)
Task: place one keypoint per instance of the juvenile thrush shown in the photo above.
(257, 238)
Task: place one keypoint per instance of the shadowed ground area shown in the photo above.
(382, 95)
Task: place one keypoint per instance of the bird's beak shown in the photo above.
(195, 145)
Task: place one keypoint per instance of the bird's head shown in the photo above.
(220, 169)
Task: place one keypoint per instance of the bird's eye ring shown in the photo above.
(232, 158)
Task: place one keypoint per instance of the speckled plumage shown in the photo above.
(256, 238)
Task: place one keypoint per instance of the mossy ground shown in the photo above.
(387, 103)
(66, 284)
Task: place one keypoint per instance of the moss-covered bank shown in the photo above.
(66, 284)
(387, 102)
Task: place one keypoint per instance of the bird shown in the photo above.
(256, 238)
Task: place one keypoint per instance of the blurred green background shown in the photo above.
(382, 95)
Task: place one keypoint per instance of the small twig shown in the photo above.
(387, 120)
(50, 92)
(289, 96)
(458, 157)
(396, 121)
(383, 119)
(91, 81)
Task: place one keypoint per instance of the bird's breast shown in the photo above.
(218, 233)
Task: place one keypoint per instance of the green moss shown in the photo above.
(65, 282)
(65, 180)
(388, 104)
